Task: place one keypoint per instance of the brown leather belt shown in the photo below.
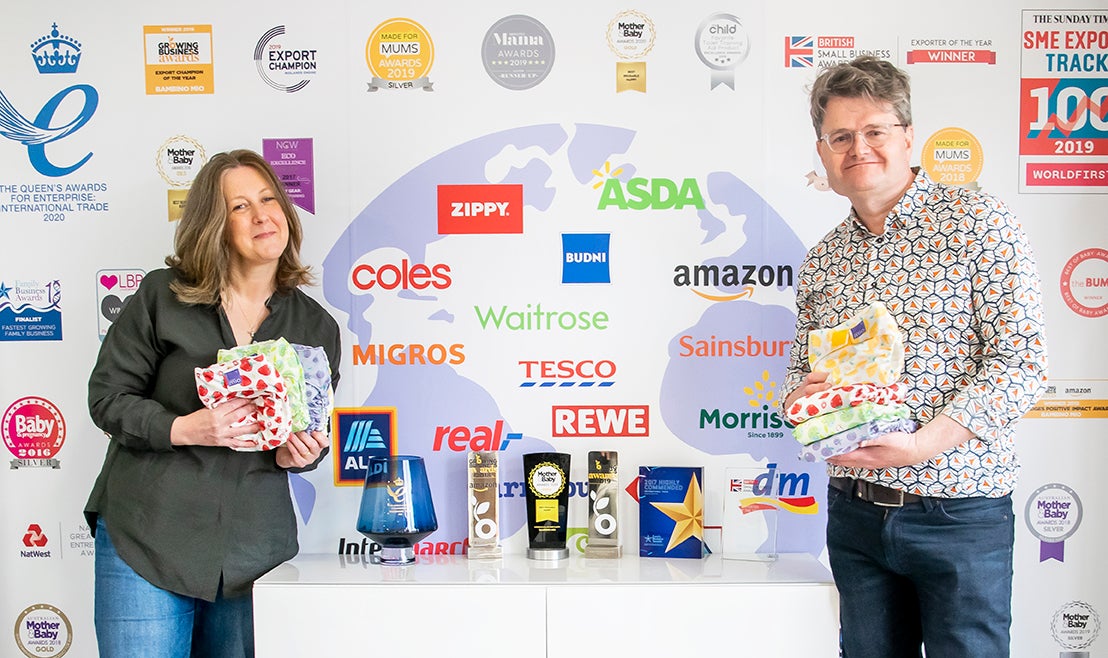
(874, 493)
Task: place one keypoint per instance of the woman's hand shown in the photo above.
(302, 449)
(212, 427)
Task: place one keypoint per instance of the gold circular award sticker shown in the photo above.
(953, 156)
(43, 631)
(399, 54)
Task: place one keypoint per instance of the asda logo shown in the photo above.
(650, 193)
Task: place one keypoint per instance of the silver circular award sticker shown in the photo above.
(518, 52)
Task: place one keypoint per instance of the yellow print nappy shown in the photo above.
(867, 348)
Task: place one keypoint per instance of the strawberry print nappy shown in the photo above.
(252, 377)
(867, 348)
(318, 395)
(839, 397)
(281, 354)
(821, 427)
(847, 440)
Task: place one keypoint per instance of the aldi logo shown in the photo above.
(361, 433)
(480, 209)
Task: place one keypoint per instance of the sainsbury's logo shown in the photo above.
(480, 209)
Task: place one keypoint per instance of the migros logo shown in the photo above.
(409, 354)
(405, 276)
(645, 193)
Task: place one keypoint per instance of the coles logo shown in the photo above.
(33, 429)
(480, 209)
(610, 420)
(405, 276)
(568, 373)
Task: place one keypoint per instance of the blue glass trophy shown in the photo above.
(397, 511)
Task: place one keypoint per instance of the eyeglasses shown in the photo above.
(874, 135)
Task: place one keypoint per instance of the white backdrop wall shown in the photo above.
(88, 183)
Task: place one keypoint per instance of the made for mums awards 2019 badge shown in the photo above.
(399, 54)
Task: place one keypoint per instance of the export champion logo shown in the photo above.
(730, 276)
(785, 491)
(361, 433)
(53, 53)
(480, 209)
(282, 67)
(34, 431)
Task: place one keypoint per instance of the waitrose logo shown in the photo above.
(536, 318)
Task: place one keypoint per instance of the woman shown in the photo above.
(183, 524)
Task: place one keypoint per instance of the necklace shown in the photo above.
(251, 329)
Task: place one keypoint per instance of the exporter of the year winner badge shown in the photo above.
(399, 53)
(631, 36)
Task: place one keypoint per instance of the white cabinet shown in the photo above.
(322, 605)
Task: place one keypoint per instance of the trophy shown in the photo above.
(396, 510)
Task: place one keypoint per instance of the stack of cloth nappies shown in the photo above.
(290, 385)
(864, 358)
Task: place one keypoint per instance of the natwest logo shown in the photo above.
(611, 420)
(34, 536)
(568, 372)
(480, 209)
(405, 276)
(481, 437)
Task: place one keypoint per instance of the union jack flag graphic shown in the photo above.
(800, 52)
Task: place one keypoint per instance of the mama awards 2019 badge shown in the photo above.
(722, 44)
(399, 54)
(953, 156)
(518, 52)
(178, 160)
(631, 37)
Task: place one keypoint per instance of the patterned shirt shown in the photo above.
(956, 271)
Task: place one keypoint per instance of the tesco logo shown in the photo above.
(594, 421)
(405, 276)
(568, 372)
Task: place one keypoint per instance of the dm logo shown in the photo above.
(361, 433)
(772, 490)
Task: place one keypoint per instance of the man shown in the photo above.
(920, 526)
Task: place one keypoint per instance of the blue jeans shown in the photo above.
(936, 573)
(135, 619)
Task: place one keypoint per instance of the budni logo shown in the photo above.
(53, 53)
(585, 258)
(361, 433)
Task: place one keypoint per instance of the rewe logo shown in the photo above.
(772, 490)
(480, 209)
(590, 421)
